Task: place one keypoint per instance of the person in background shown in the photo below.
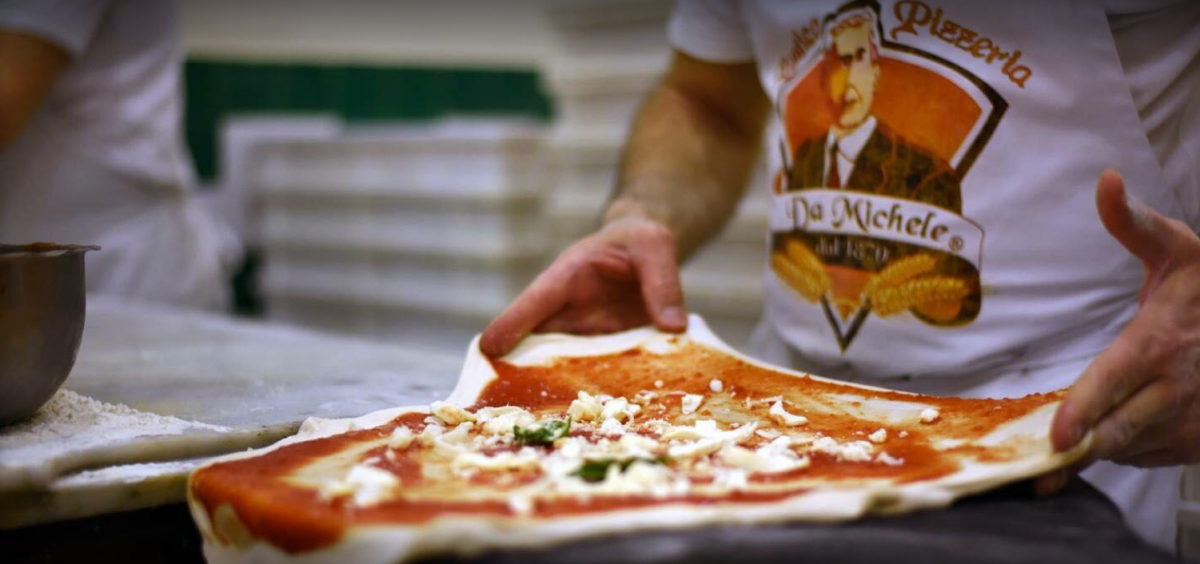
(91, 150)
(1034, 278)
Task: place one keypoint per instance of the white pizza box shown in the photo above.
(574, 213)
(610, 111)
(454, 158)
(601, 93)
(511, 226)
(605, 28)
(599, 76)
(585, 161)
(478, 286)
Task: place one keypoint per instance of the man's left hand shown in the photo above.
(1140, 395)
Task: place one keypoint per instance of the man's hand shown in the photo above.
(684, 168)
(623, 276)
(1139, 396)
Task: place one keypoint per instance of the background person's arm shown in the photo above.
(689, 155)
(29, 67)
(691, 150)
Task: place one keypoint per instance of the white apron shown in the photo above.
(933, 221)
(158, 243)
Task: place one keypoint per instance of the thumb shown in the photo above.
(1140, 229)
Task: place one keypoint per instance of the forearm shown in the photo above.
(29, 67)
(689, 157)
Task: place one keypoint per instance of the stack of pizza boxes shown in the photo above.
(609, 54)
(416, 234)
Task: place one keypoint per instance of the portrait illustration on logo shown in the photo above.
(877, 137)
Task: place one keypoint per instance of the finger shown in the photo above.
(1111, 378)
(658, 274)
(1123, 427)
(542, 299)
(1154, 459)
(1051, 482)
(1178, 434)
(1140, 229)
(597, 322)
(614, 264)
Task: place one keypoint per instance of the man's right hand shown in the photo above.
(625, 275)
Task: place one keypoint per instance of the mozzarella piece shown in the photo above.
(636, 446)
(857, 451)
(521, 504)
(645, 397)
(769, 434)
(565, 460)
(778, 413)
(366, 485)
(903, 434)
(885, 458)
(702, 447)
(707, 429)
(690, 403)
(878, 436)
(453, 442)
(658, 384)
(585, 408)
(827, 445)
(642, 478)
(731, 479)
(619, 409)
(716, 386)
(854, 451)
(430, 433)
(451, 414)
(929, 415)
(776, 456)
(470, 462)
(401, 437)
(658, 426)
(501, 420)
(946, 444)
(612, 427)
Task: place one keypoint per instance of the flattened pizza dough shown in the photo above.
(569, 437)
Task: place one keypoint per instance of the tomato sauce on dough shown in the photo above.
(295, 518)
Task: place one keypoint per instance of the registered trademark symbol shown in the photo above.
(956, 243)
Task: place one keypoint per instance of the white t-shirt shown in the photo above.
(1157, 40)
(961, 250)
(979, 135)
(102, 161)
(119, 100)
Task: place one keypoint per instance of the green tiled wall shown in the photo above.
(216, 89)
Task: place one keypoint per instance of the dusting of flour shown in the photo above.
(71, 423)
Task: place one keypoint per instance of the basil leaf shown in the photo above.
(595, 470)
(544, 433)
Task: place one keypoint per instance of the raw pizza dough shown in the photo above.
(735, 440)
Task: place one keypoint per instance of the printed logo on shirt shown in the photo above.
(877, 137)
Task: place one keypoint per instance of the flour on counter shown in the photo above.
(72, 429)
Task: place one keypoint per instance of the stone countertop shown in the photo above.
(242, 383)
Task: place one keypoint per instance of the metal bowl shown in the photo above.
(42, 307)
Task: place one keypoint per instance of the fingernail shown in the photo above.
(1138, 211)
(672, 315)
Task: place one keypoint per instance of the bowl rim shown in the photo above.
(43, 249)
